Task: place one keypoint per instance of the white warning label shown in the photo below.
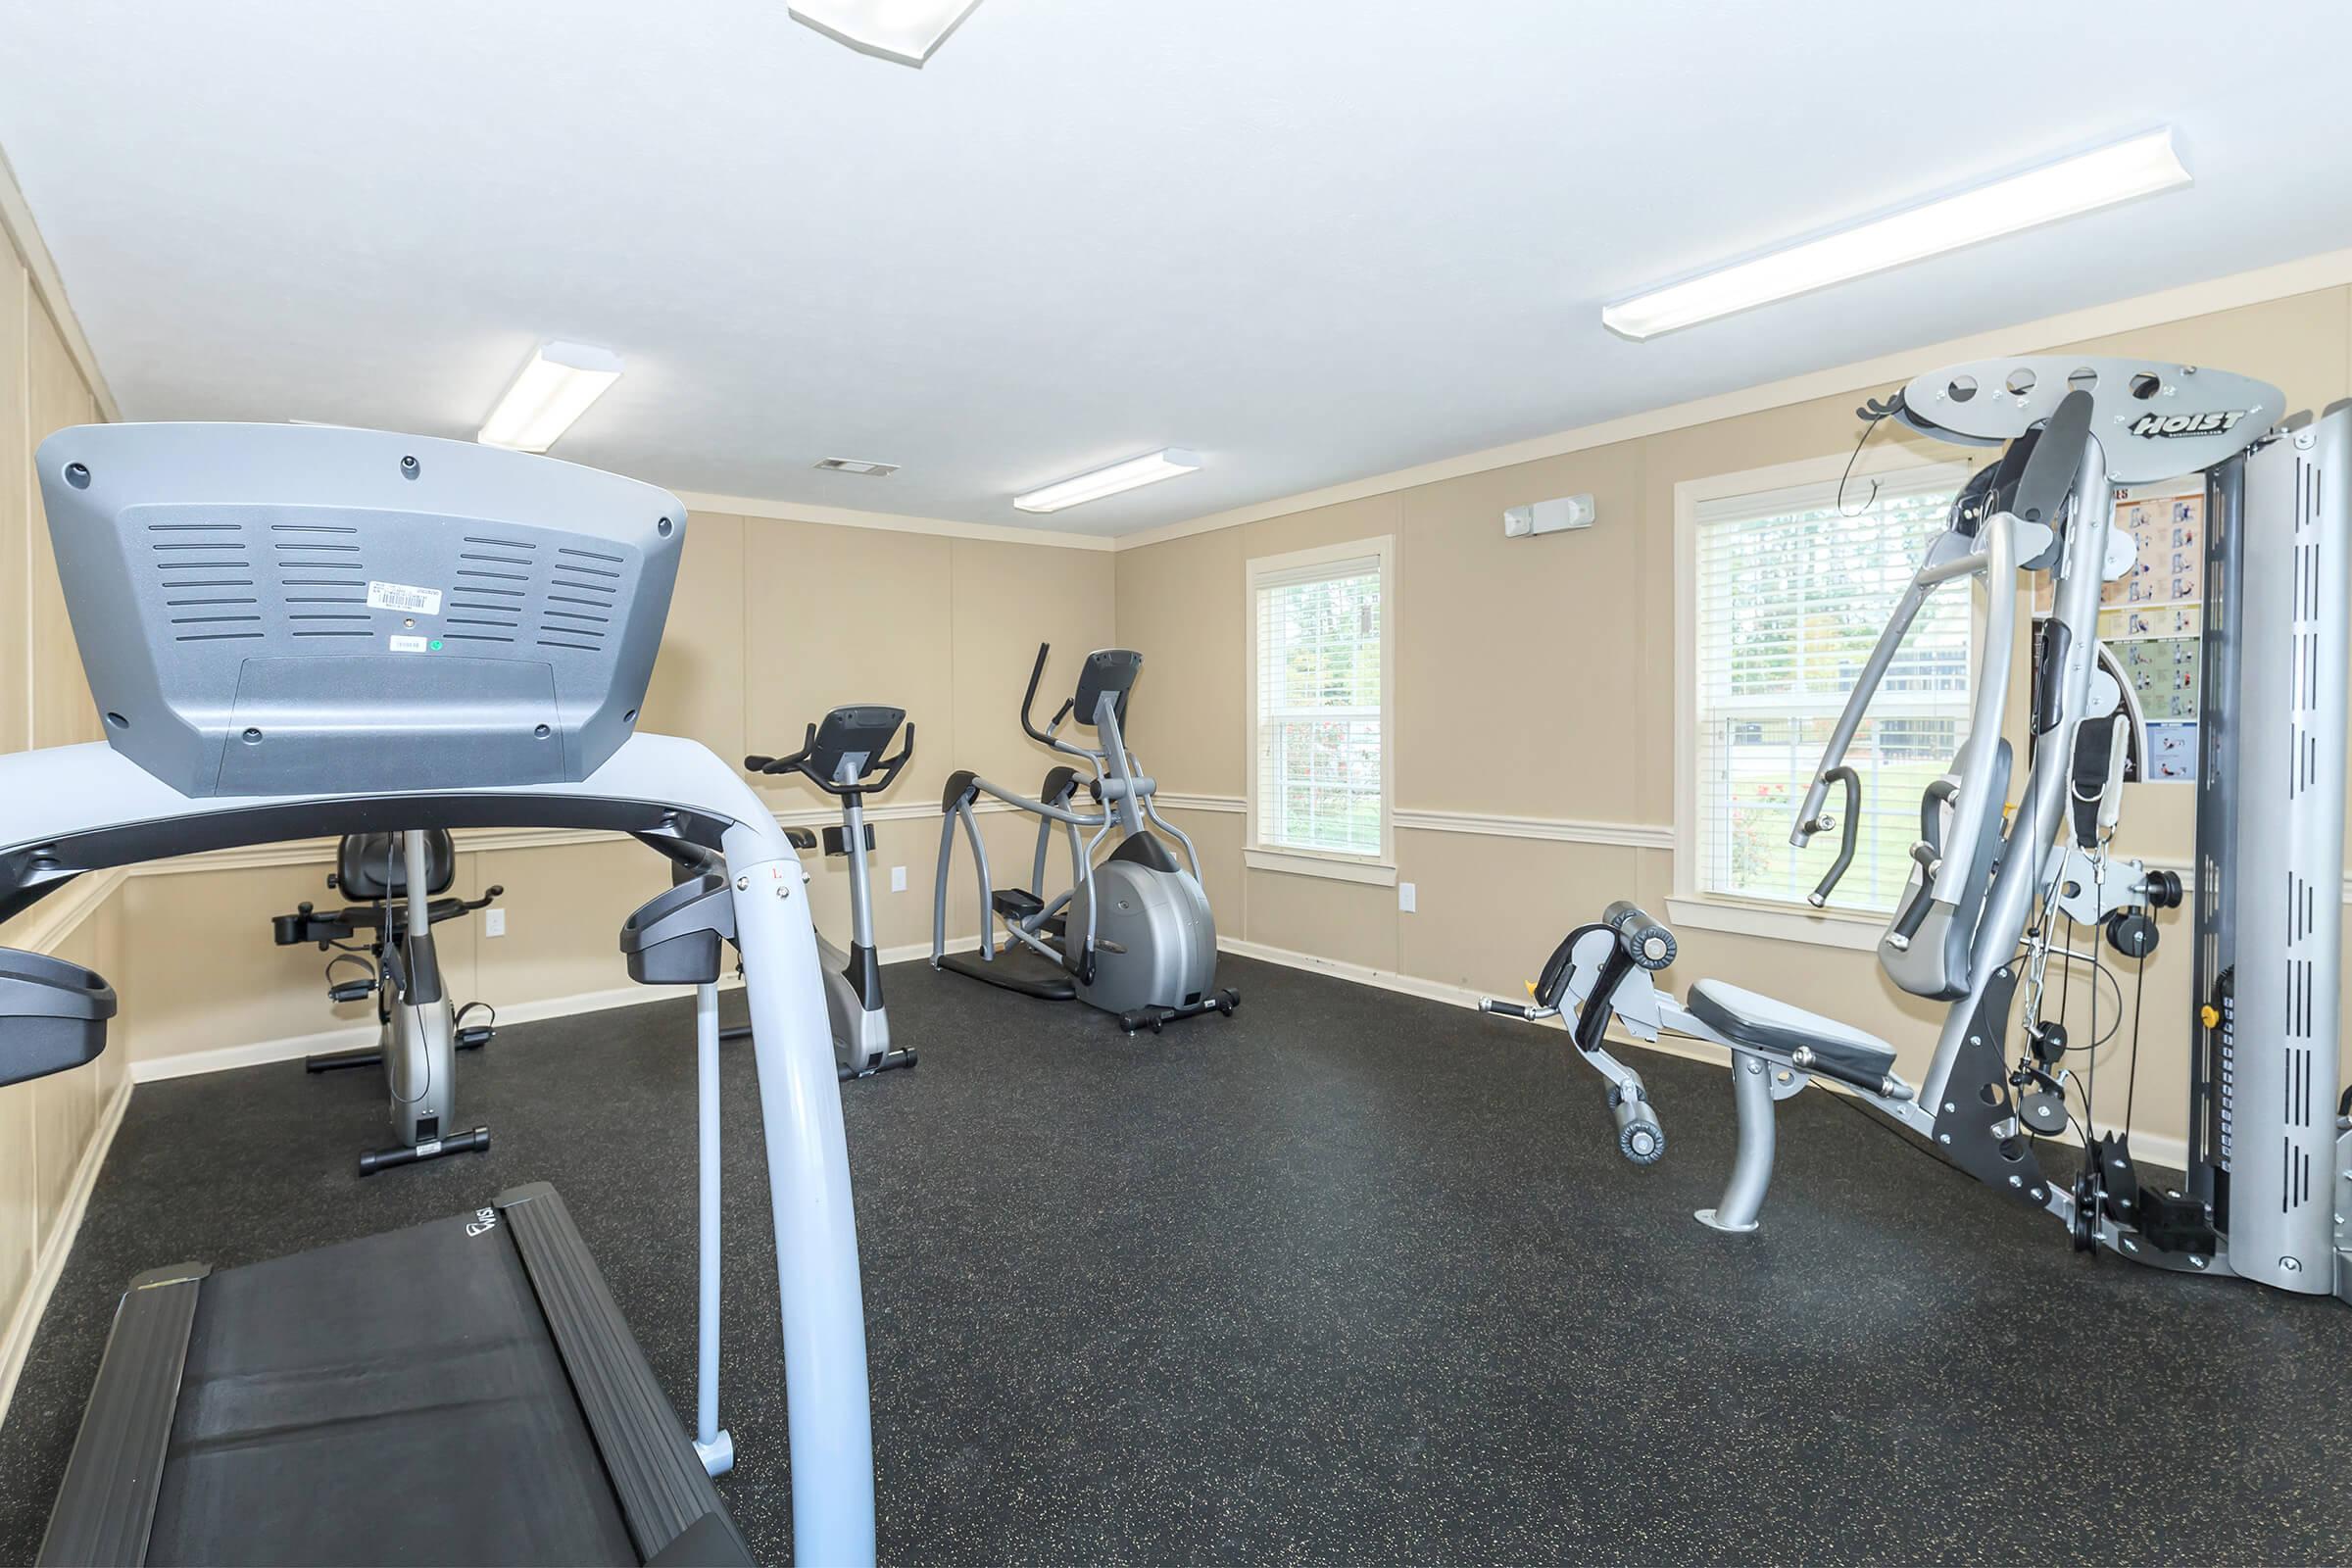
(405, 598)
(410, 645)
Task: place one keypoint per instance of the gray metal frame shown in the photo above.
(861, 1024)
(419, 1040)
(1128, 796)
(2278, 637)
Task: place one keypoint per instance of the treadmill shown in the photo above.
(463, 1391)
(303, 631)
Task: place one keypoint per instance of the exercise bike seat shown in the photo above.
(1836, 1050)
(370, 865)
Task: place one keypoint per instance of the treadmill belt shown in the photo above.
(394, 1399)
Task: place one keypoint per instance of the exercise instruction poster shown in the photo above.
(2151, 620)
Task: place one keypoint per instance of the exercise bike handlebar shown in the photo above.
(799, 761)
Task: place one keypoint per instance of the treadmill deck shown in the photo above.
(415, 1397)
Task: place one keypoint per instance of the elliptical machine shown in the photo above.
(1134, 935)
(843, 756)
(404, 877)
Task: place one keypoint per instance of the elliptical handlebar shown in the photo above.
(1037, 673)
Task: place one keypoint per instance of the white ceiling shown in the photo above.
(1310, 240)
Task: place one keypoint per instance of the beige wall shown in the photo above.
(772, 622)
(1536, 678)
(47, 1127)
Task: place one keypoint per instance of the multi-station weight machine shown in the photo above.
(2268, 1154)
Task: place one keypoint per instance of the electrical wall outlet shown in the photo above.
(898, 879)
(494, 922)
(1404, 897)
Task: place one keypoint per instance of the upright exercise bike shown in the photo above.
(404, 879)
(843, 756)
(1133, 935)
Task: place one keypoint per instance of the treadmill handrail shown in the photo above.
(77, 809)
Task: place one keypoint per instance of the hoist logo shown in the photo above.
(2171, 424)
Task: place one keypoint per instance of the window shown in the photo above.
(1785, 595)
(1321, 625)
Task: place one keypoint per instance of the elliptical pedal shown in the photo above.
(1015, 904)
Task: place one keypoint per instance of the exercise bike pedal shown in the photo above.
(351, 990)
(474, 1036)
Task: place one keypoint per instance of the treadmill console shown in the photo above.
(276, 609)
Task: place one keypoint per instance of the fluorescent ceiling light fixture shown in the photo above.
(2140, 166)
(879, 471)
(908, 32)
(557, 386)
(1109, 482)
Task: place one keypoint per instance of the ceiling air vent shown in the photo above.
(857, 466)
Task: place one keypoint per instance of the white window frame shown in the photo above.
(1380, 869)
(1688, 904)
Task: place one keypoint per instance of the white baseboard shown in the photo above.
(17, 1344)
(357, 1036)
(354, 1036)
(2154, 1148)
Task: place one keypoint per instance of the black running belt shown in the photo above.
(396, 1400)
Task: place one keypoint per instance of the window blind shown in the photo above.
(1791, 594)
(1319, 706)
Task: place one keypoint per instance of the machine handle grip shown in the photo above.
(1850, 832)
(889, 766)
(1646, 942)
(1915, 913)
(783, 765)
(1508, 1010)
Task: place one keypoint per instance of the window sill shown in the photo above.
(1296, 863)
(1779, 922)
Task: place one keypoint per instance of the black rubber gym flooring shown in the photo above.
(1350, 1277)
